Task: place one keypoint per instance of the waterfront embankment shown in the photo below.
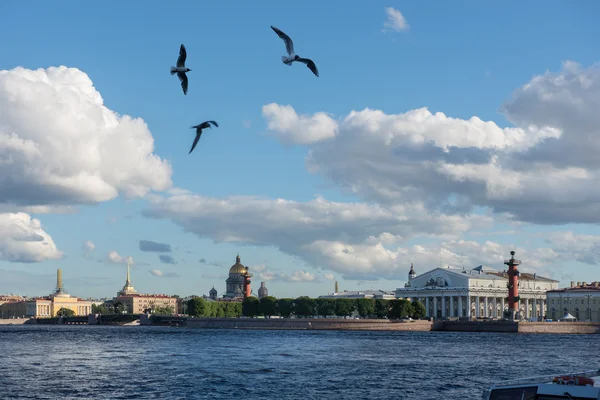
(309, 323)
(17, 321)
(517, 327)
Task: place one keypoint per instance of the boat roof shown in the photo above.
(545, 386)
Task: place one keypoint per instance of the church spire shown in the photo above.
(128, 281)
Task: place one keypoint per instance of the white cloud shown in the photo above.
(59, 144)
(116, 258)
(291, 128)
(161, 274)
(263, 273)
(544, 170)
(88, 247)
(312, 230)
(22, 239)
(395, 20)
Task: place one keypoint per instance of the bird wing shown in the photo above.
(214, 123)
(198, 134)
(184, 81)
(289, 45)
(310, 64)
(182, 56)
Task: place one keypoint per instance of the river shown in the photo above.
(110, 362)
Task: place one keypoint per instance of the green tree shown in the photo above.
(365, 307)
(344, 307)
(304, 306)
(162, 310)
(65, 312)
(400, 308)
(250, 306)
(268, 306)
(382, 308)
(325, 307)
(119, 308)
(198, 307)
(418, 309)
(100, 309)
(285, 307)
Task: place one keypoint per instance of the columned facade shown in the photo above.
(478, 293)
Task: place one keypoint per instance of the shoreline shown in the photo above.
(341, 324)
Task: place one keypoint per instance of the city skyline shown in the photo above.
(433, 136)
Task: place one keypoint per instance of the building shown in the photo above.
(137, 303)
(238, 282)
(212, 293)
(361, 294)
(479, 292)
(47, 306)
(581, 300)
(262, 291)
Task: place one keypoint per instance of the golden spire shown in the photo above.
(127, 282)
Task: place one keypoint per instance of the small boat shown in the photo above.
(575, 386)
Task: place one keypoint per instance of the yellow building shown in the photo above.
(47, 306)
(137, 303)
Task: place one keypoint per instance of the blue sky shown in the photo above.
(458, 58)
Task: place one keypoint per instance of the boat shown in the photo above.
(572, 386)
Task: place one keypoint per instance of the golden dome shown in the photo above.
(237, 268)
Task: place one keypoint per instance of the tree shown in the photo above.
(162, 310)
(304, 306)
(365, 307)
(344, 307)
(65, 312)
(325, 307)
(285, 307)
(268, 306)
(119, 308)
(250, 306)
(400, 308)
(101, 309)
(198, 307)
(418, 310)
(382, 308)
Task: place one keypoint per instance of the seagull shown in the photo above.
(289, 46)
(204, 125)
(181, 69)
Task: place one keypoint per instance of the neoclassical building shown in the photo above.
(581, 300)
(478, 292)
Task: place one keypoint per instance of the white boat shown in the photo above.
(575, 386)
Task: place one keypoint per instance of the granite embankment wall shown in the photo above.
(17, 321)
(559, 327)
(309, 323)
(518, 327)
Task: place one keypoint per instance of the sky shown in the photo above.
(447, 134)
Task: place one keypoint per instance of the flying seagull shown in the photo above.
(204, 125)
(181, 69)
(289, 46)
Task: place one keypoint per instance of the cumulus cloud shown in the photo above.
(395, 21)
(166, 259)
(161, 274)
(60, 145)
(22, 239)
(304, 229)
(263, 273)
(542, 170)
(116, 258)
(88, 248)
(149, 245)
(291, 128)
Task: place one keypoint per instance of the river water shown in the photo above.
(109, 362)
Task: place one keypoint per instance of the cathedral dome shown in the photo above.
(237, 268)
